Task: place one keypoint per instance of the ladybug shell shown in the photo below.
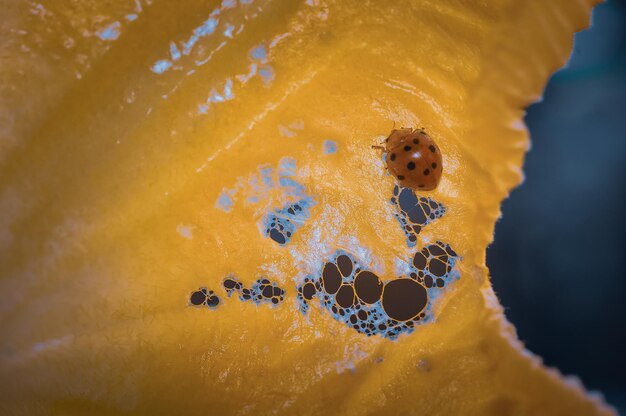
(414, 159)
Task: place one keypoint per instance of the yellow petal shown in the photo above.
(144, 144)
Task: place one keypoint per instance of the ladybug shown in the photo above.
(413, 158)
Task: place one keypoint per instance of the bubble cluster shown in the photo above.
(204, 297)
(278, 221)
(262, 291)
(281, 224)
(414, 212)
(279, 229)
(361, 300)
(433, 264)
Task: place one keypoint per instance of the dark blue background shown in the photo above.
(558, 259)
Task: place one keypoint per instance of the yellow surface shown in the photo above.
(110, 173)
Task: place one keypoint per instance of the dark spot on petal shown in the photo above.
(213, 301)
(436, 250)
(437, 267)
(197, 298)
(308, 291)
(277, 236)
(428, 281)
(345, 265)
(450, 251)
(419, 261)
(268, 291)
(345, 296)
(368, 287)
(331, 278)
(404, 299)
(229, 284)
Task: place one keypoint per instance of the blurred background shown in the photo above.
(558, 259)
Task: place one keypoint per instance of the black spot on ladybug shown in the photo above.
(434, 166)
(416, 141)
(400, 177)
(426, 172)
(407, 148)
(410, 165)
(432, 148)
(392, 157)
